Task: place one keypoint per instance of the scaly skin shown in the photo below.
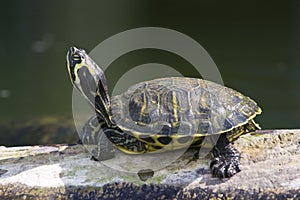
(226, 161)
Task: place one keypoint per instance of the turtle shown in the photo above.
(163, 114)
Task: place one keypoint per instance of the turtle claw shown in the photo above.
(104, 154)
(223, 168)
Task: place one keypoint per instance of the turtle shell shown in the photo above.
(178, 106)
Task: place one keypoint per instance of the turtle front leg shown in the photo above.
(226, 161)
(93, 137)
(105, 149)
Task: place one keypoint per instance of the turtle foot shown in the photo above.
(226, 161)
(105, 150)
(224, 168)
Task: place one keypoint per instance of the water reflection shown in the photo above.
(255, 48)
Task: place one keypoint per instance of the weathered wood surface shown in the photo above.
(270, 169)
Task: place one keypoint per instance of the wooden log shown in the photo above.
(270, 169)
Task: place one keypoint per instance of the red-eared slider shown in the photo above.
(162, 114)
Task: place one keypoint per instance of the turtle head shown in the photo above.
(89, 79)
(76, 60)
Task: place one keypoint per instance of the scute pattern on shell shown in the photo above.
(184, 106)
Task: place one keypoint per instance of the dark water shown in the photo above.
(255, 45)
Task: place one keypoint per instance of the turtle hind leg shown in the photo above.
(226, 161)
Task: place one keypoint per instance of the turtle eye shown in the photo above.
(82, 51)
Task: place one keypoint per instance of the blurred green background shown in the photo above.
(255, 44)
